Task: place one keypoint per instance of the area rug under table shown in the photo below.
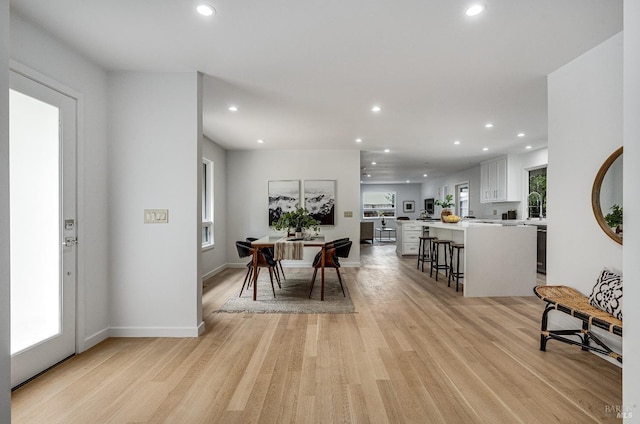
(293, 297)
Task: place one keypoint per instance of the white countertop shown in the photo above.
(499, 259)
(462, 225)
(512, 221)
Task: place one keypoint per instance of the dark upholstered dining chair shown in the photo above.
(333, 250)
(279, 272)
(265, 260)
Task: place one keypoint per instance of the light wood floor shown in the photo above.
(416, 351)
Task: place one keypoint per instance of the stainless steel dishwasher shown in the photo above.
(542, 249)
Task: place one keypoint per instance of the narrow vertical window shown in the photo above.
(207, 203)
(537, 198)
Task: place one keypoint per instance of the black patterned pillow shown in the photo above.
(607, 293)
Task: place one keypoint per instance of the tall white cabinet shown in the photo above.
(500, 180)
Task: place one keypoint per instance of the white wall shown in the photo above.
(248, 173)
(521, 163)
(585, 127)
(472, 176)
(631, 344)
(403, 192)
(41, 52)
(5, 339)
(214, 259)
(155, 163)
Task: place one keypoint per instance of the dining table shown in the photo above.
(269, 242)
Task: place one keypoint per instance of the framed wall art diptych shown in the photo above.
(320, 200)
(284, 196)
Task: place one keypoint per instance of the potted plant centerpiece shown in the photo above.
(299, 220)
(614, 218)
(445, 204)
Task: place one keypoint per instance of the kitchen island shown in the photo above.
(408, 235)
(499, 260)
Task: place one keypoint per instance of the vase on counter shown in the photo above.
(445, 212)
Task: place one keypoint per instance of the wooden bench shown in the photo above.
(572, 302)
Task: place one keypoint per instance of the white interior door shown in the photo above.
(42, 157)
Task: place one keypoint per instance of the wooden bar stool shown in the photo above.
(424, 250)
(454, 272)
(435, 259)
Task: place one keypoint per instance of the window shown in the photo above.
(207, 203)
(378, 204)
(537, 198)
(462, 206)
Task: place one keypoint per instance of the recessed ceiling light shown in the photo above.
(528, 147)
(368, 175)
(387, 150)
(233, 108)
(408, 181)
(260, 141)
(520, 134)
(484, 149)
(424, 175)
(376, 108)
(373, 163)
(456, 142)
(205, 9)
(488, 125)
(476, 9)
(358, 140)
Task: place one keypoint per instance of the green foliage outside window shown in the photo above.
(537, 184)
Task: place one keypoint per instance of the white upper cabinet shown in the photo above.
(500, 180)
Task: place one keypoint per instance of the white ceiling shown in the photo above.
(304, 74)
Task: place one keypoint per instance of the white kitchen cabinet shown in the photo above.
(408, 237)
(499, 180)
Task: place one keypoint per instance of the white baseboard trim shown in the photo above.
(156, 331)
(94, 339)
(215, 271)
(296, 264)
(103, 335)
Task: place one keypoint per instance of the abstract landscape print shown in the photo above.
(284, 196)
(320, 200)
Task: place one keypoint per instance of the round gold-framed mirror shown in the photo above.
(606, 196)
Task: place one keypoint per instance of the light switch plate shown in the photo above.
(156, 216)
(348, 214)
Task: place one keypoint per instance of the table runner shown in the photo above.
(284, 249)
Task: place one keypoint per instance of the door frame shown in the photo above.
(32, 74)
(456, 197)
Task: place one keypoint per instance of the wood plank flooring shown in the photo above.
(414, 352)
